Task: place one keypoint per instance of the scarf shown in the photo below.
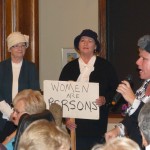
(86, 69)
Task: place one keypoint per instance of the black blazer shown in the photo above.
(131, 126)
(105, 75)
(28, 79)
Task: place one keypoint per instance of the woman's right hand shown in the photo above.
(70, 124)
(125, 89)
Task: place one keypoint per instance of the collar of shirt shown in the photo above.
(83, 65)
(147, 147)
(140, 93)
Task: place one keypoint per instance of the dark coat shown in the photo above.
(105, 75)
(28, 79)
(131, 126)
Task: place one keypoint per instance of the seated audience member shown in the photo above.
(144, 125)
(121, 143)
(26, 101)
(44, 135)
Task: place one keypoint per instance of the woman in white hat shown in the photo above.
(16, 74)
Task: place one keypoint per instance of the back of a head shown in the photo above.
(44, 135)
(144, 121)
(122, 143)
(97, 147)
(33, 100)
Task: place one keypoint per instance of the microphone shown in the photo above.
(118, 95)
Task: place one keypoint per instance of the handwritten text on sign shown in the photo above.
(76, 98)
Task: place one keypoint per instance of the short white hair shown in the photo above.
(144, 121)
(44, 135)
(119, 143)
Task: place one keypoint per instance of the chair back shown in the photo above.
(27, 119)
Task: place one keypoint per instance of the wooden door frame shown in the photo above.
(102, 26)
(3, 28)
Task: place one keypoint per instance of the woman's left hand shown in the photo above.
(101, 101)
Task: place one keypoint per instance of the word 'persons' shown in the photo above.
(74, 104)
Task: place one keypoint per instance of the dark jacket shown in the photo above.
(105, 75)
(28, 79)
(131, 126)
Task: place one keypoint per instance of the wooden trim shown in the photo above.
(113, 115)
(35, 30)
(115, 118)
(2, 2)
(13, 15)
(102, 27)
(27, 21)
(8, 21)
(3, 27)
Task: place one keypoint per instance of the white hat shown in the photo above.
(15, 38)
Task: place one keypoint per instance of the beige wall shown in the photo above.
(59, 22)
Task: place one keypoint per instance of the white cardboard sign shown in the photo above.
(76, 98)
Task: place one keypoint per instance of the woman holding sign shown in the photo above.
(91, 68)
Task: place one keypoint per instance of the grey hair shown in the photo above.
(118, 143)
(144, 43)
(97, 147)
(144, 121)
(45, 135)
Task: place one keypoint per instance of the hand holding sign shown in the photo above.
(78, 100)
(70, 124)
(101, 101)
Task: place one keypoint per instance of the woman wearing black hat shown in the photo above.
(91, 68)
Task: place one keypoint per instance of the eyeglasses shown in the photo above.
(17, 111)
(23, 46)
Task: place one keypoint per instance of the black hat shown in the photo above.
(89, 33)
(144, 43)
